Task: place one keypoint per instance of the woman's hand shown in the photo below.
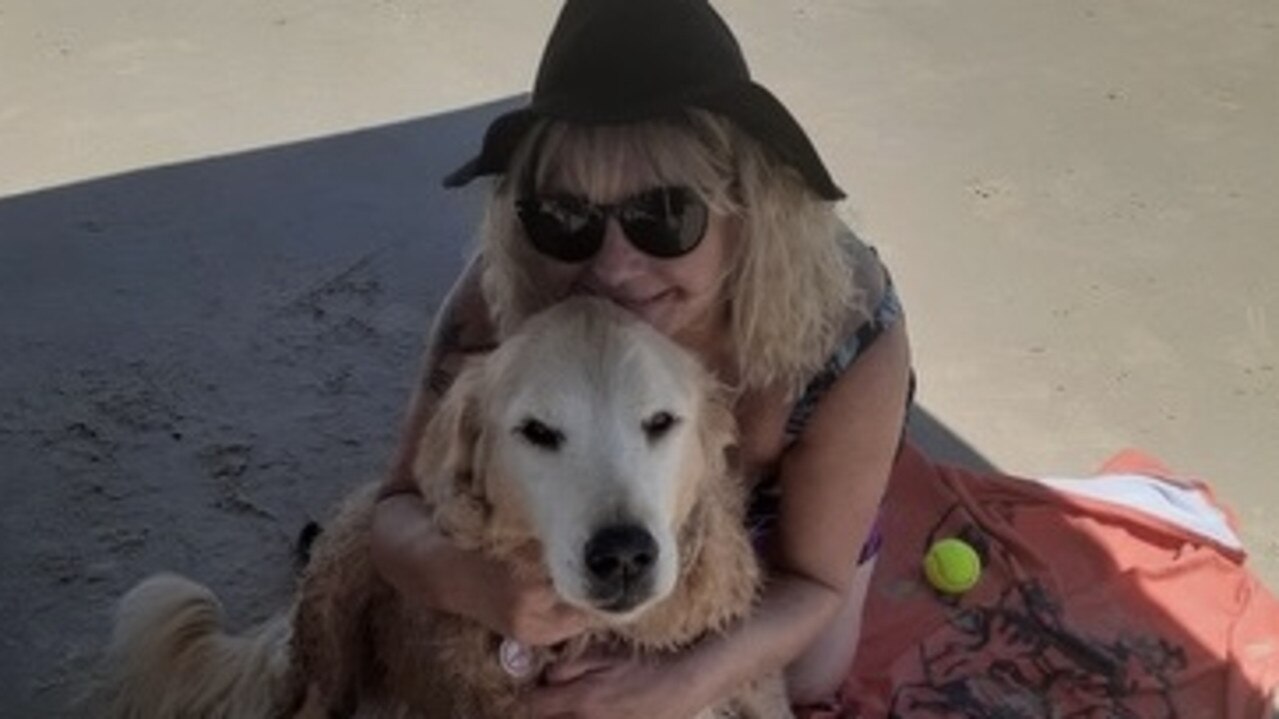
(526, 610)
(607, 683)
(429, 570)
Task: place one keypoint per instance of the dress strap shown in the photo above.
(887, 312)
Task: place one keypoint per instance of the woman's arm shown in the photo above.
(425, 567)
(406, 548)
(461, 329)
(833, 479)
(404, 542)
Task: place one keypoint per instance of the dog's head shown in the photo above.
(591, 434)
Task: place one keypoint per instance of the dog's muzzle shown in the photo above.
(620, 560)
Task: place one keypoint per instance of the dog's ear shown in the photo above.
(714, 450)
(719, 570)
(717, 429)
(448, 466)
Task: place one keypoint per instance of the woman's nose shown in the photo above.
(617, 260)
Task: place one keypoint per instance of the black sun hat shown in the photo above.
(620, 61)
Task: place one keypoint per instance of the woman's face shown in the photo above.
(679, 296)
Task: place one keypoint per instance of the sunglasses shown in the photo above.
(663, 222)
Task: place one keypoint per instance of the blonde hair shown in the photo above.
(789, 284)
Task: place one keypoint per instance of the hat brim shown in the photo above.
(501, 139)
(754, 109)
(762, 116)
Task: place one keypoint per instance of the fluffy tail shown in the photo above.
(170, 658)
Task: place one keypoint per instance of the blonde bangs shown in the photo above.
(612, 161)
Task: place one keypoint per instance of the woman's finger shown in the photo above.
(569, 670)
(544, 620)
(553, 702)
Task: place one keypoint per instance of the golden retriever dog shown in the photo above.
(587, 449)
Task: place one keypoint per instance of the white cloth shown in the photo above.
(1187, 507)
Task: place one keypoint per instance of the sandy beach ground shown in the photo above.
(222, 237)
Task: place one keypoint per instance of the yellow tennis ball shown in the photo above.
(952, 566)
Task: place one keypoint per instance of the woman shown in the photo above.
(651, 170)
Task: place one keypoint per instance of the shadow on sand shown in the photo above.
(197, 359)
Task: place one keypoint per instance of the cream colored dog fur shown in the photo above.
(584, 421)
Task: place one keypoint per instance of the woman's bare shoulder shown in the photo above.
(465, 323)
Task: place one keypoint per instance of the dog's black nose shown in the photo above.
(620, 555)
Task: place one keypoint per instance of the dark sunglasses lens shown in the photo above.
(665, 222)
(566, 230)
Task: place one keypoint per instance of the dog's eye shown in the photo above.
(659, 424)
(540, 435)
